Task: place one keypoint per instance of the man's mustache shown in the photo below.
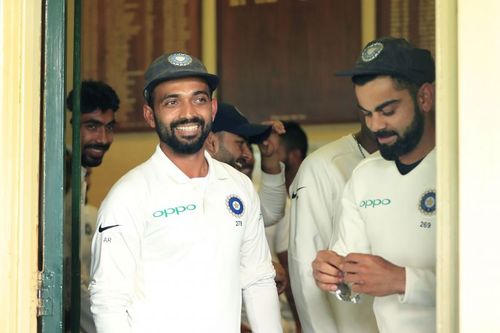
(385, 134)
(195, 120)
(97, 146)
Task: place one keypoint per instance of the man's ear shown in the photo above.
(214, 108)
(425, 97)
(149, 116)
(212, 143)
(295, 156)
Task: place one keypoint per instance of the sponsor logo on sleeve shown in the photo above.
(374, 203)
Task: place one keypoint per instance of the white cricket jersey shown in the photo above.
(173, 253)
(394, 216)
(315, 213)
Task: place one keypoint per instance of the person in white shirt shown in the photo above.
(316, 194)
(98, 104)
(181, 236)
(387, 235)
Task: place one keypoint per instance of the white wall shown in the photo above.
(479, 161)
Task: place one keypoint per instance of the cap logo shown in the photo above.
(372, 51)
(179, 59)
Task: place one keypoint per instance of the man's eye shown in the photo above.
(366, 113)
(91, 126)
(169, 102)
(388, 112)
(201, 99)
(110, 127)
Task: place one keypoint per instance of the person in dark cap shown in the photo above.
(386, 245)
(231, 131)
(181, 236)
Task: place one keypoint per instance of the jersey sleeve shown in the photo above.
(282, 233)
(310, 228)
(115, 261)
(272, 194)
(257, 273)
(352, 236)
(420, 287)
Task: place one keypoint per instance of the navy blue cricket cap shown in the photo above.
(396, 57)
(229, 119)
(176, 65)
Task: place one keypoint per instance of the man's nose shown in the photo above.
(246, 152)
(187, 110)
(376, 122)
(104, 135)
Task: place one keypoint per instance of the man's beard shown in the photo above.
(183, 146)
(405, 143)
(241, 164)
(89, 161)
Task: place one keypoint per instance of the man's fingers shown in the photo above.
(326, 286)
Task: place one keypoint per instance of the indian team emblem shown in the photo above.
(427, 203)
(372, 51)
(235, 205)
(179, 59)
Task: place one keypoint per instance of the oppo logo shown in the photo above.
(374, 203)
(174, 210)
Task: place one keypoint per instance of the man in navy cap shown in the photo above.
(228, 143)
(181, 236)
(386, 245)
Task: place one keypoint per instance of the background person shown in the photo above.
(315, 214)
(228, 143)
(292, 151)
(98, 104)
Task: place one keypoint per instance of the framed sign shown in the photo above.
(278, 58)
(120, 38)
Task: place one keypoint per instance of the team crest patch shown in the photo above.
(427, 204)
(235, 205)
(372, 51)
(179, 59)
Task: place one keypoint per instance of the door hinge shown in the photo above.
(45, 285)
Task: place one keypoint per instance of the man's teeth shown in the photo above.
(187, 127)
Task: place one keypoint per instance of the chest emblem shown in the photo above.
(235, 205)
(427, 204)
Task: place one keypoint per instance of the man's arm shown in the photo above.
(310, 231)
(272, 190)
(115, 256)
(257, 273)
(272, 194)
(374, 275)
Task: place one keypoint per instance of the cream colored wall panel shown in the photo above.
(479, 119)
(19, 143)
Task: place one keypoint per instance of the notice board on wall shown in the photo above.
(120, 38)
(278, 58)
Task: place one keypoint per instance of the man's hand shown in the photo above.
(269, 148)
(373, 275)
(281, 277)
(326, 270)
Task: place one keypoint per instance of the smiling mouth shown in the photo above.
(386, 140)
(187, 129)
